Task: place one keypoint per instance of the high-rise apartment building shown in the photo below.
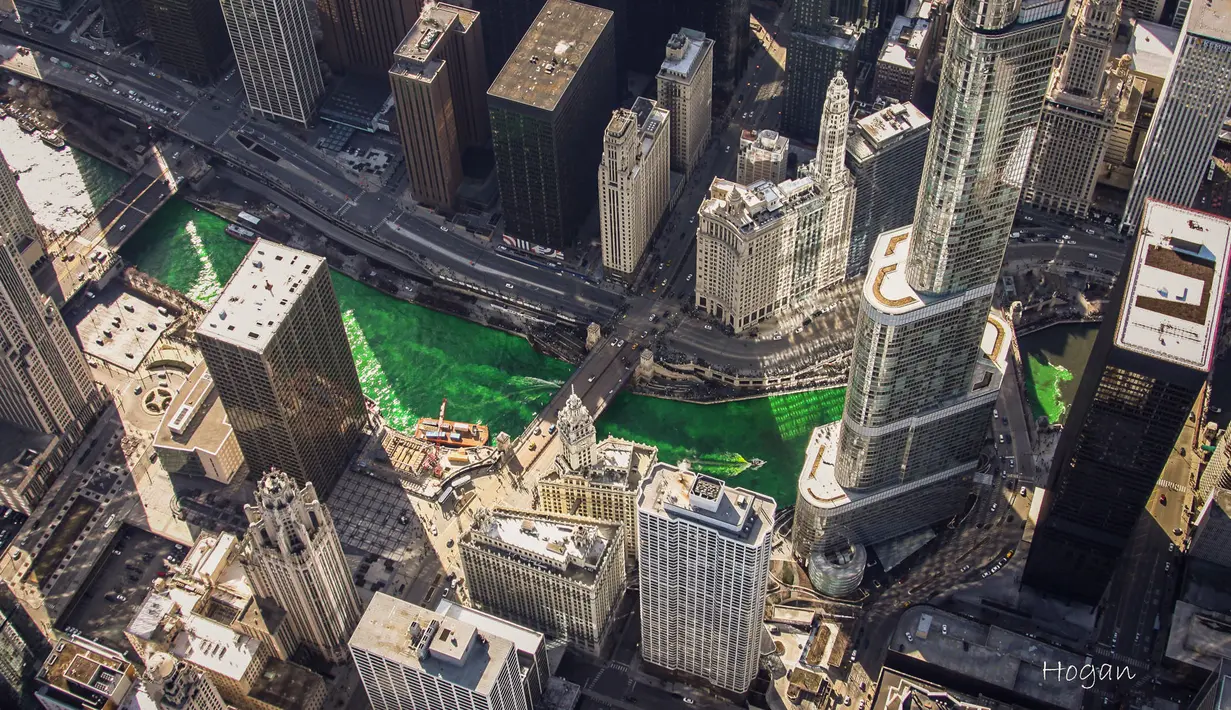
(703, 553)
(191, 35)
(885, 154)
(82, 675)
(439, 81)
(928, 361)
(1190, 113)
(634, 183)
(276, 348)
(685, 89)
(762, 156)
(531, 645)
(1078, 116)
(549, 106)
(293, 555)
(194, 437)
(1145, 374)
(16, 220)
(1150, 50)
(409, 657)
(1212, 541)
(763, 247)
(360, 35)
(817, 51)
(276, 57)
(558, 573)
(903, 61)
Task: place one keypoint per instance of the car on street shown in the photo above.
(1162, 499)
(690, 701)
(1024, 491)
(708, 326)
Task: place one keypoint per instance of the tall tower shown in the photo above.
(277, 350)
(293, 556)
(190, 35)
(577, 434)
(360, 35)
(819, 50)
(831, 136)
(685, 89)
(16, 220)
(1190, 113)
(822, 250)
(928, 361)
(633, 183)
(276, 57)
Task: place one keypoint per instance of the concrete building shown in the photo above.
(47, 398)
(530, 644)
(928, 359)
(208, 616)
(194, 437)
(409, 657)
(293, 556)
(548, 108)
(277, 350)
(1212, 542)
(1190, 113)
(191, 35)
(16, 220)
(634, 184)
(885, 155)
(1145, 10)
(558, 573)
(817, 51)
(439, 80)
(1217, 473)
(1149, 53)
(359, 36)
(703, 554)
(181, 686)
(1148, 368)
(903, 61)
(685, 89)
(276, 58)
(82, 675)
(762, 156)
(1078, 116)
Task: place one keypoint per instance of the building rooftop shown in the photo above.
(195, 419)
(885, 128)
(905, 41)
(1151, 47)
(558, 542)
(427, 35)
(87, 670)
(1173, 293)
(22, 451)
(747, 208)
(763, 145)
(286, 685)
(545, 61)
(429, 643)
(897, 691)
(259, 295)
(685, 51)
(527, 641)
(214, 646)
(1210, 19)
(1198, 637)
(736, 513)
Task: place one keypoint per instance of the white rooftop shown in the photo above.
(890, 122)
(1151, 48)
(526, 640)
(737, 513)
(1173, 294)
(1210, 18)
(904, 51)
(259, 295)
(214, 647)
(683, 68)
(560, 543)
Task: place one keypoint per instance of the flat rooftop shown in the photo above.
(82, 665)
(259, 295)
(905, 40)
(543, 66)
(214, 646)
(1210, 19)
(195, 419)
(889, 125)
(452, 655)
(22, 451)
(544, 538)
(527, 641)
(1151, 47)
(1173, 293)
(685, 51)
(427, 35)
(735, 513)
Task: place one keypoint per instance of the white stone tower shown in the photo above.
(576, 428)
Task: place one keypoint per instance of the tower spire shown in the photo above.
(831, 141)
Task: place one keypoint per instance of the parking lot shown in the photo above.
(375, 516)
(115, 591)
(124, 345)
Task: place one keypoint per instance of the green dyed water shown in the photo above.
(1055, 359)
(409, 357)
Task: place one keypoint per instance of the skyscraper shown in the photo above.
(276, 57)
(548, 107)
(928, 360)
(122, 19)
(703, 553)
(762, 156)
(1212, 541)
(439, 81)
(634, 183)
(885, 154)
(293, 556)
(1078, 116)
(1190, 113)
(685, 89)
(360, 35)
(190, 35)
(276, 348)
(1150, 49)
(817, 51)
(16, 220)
(1145, 374)
(83, 675)
(821, 253)
(409, 657)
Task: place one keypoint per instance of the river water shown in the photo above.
(410, 357)
(1055, 360)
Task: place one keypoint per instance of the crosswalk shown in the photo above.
(1131, 662)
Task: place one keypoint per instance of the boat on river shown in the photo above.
(53, 139)
(26, 126)
(445, 432)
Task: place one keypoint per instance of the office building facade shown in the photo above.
(122, 19)
(1150, 50)
(277, 350)
(634, 184)
(703, 557)
(439, 80)
(817, 51)
(83, 675)
(561, 574)
(903, 61)
(359, 36)
(293, 556)
(191, 35)
(762, 156)
(1212, 541)
(16, 220)
(885, 154)
(276, 57)
(530, 644)
(928, 360)
(549, 106)
(1148, 368)
(686, 89)
(409, 657)
(1189, 115)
